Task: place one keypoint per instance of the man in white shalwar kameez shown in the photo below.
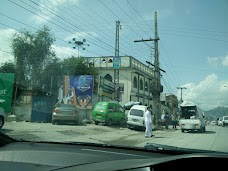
(148, 123)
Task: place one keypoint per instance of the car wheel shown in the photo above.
(108, 122)
(122, 122)
(1, 122)
(182, 130)
(53, 122)
(96, 123)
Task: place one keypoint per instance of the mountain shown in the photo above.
(215, 113)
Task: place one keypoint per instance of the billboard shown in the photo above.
(6, 91)
(77, 90)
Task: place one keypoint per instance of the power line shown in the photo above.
(56, 24)
(92, 25)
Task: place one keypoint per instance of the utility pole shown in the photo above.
(158, 88)
(181, 88)
(116, 62)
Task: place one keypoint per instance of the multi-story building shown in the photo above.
(136, 80)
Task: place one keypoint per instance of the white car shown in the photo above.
(224, 120)
(2, 117)
(135, 117)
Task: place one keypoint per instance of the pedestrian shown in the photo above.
(162, 118)
(166, 117)
(148, 123)
(174, 120)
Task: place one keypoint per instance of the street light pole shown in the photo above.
(79, 44)
(181, 88)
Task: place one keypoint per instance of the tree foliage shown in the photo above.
(32, 53)
(77, 66)
(7, 67)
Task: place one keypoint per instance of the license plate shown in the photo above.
(135, 120)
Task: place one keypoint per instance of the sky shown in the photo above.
(193, 45)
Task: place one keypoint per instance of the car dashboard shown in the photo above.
(43, 156)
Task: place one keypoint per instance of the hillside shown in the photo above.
(215, 113)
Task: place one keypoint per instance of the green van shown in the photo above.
(108, 113)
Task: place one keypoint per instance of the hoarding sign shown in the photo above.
(6, 91)
(77, 90)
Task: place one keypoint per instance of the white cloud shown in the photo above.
(214, 61)
(209, 93)
(5, 42)
(225, 60)
(65, 52)
(48, 9)
(217, 61)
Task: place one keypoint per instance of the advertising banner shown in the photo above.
(6, 91)
(77, 90)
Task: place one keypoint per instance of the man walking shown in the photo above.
(148, 123)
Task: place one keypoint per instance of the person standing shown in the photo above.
(148, 123)
(163, 118)
(174, 120)
(166, 117)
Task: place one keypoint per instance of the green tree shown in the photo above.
(7, 67)
(77, 66)
(32, 53)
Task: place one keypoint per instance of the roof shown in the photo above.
(187, 103)
(141, 107)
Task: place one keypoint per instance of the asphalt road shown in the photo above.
(215, 137)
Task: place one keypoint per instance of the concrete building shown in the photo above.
(169, 103)
(137, 81)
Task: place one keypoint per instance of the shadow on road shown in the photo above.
(207, 132)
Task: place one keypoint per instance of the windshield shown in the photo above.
(158, 54)
(66, 106)
(136, 112)
(100, 107)
(187, 112)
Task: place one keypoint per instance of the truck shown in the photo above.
(192, 117)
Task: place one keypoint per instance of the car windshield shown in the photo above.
(121, 53)
(136, 112)
(100, 107)
(66, 106)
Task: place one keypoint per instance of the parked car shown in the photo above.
(224, 120)
(135, 117)
(65, 113)
(108, 113)
(2, 117)
(213, 123)
(128, 105)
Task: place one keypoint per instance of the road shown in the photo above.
(215, 137)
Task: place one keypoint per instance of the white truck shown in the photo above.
(192, 117)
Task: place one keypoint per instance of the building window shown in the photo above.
(108, 77)
(146, 86)
(135, 82)
(141, 84)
